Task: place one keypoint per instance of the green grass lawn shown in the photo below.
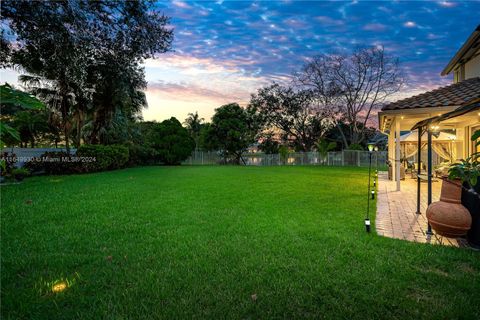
(198, 242)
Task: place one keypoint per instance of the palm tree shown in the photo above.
(323, 147)
(30, 124)
(194, 125)
(59, 101)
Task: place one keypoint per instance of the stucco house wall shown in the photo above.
(472, 67)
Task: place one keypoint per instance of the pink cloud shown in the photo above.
(327, 21)
(374, 27)
(190, 92)
(181, 4)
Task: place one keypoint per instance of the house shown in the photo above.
(453, 109)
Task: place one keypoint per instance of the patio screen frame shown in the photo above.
(426, 125)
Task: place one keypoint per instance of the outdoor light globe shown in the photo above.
(370, 147)
(376, 148)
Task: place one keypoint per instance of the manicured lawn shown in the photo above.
(183, 242)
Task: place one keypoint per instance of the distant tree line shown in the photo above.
(81, 62)
(327, 105)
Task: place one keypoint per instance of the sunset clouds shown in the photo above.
(225, 50)
(198, 84)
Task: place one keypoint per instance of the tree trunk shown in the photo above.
(64, 105)
(344, 139)
(79, 131)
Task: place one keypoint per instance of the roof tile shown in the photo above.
(452, 95)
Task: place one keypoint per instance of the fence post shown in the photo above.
(343, 158)
(358, 158)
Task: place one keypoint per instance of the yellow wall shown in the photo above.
(472, 67)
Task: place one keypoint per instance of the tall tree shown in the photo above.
(232, 131)
(293, 112)
(194, 125)
(172, 142)
(83, 46)
(351, 86)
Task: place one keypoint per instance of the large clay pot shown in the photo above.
(448, 217)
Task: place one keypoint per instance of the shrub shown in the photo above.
(54, 162)
(283, 151)
(89, 158)
(7, 163)
(355, 146)
(94, 158)
(172, 142)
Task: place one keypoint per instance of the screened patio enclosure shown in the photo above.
(444, 147)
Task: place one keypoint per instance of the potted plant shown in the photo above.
(20, 173)
(468, 171)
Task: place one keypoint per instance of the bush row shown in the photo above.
(88, 158)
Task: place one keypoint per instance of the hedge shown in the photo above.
(89, 158)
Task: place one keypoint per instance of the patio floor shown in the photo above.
(396, 217)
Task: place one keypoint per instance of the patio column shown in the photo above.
(398, 162)
(419, 167)
(429, 161)
(391, 149)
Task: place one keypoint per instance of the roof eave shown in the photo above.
(467, 107)
(461, 52)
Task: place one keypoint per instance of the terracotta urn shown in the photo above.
(448, 217)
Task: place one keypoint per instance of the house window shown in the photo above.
(459, 74)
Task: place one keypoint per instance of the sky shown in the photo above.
(225, 50)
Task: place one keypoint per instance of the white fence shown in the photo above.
(338, 158)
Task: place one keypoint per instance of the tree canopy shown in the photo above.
(85, 56)
(172, 142)
(349, 87)
(233, 130)
(293, 112)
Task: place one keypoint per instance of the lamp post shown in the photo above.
(376, 167)
(367, 219)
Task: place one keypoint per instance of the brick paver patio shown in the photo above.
(396, 212)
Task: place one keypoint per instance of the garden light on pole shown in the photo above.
(367, 219)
